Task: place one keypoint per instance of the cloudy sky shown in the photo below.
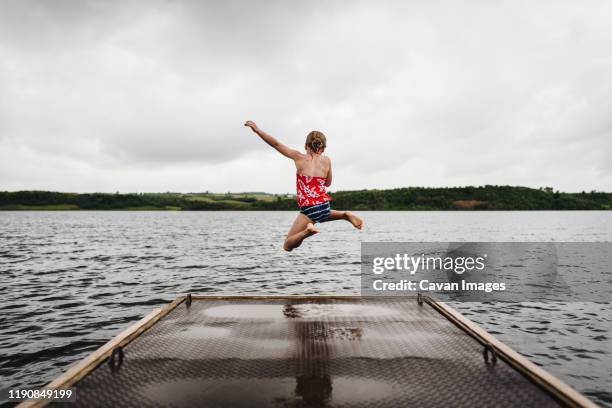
(152, 95)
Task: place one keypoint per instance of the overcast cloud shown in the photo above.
(152, 96)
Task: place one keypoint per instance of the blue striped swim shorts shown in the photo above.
(318, 212)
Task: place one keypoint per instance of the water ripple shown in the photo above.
(73, 280)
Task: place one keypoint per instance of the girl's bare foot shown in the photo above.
(311, 229)
(355, 220)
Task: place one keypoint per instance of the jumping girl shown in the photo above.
(314, 174)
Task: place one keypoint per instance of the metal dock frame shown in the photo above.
(492, 347)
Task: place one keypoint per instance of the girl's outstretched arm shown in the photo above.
(272, 141)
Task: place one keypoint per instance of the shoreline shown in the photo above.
(482, 198)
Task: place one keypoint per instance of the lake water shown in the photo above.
(73, 280)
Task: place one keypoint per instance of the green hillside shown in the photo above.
(410, 198)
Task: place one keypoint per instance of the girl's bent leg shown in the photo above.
(301, 229)
(346, 215)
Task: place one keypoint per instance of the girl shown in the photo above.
(314, 174)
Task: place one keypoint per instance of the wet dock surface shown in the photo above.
(302, 353)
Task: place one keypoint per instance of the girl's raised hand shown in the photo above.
(251, 124)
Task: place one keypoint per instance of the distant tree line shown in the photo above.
(487, 197)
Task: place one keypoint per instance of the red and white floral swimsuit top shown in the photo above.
(311, 190)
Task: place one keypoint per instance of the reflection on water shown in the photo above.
(316, 341)
(237, 392)
(302, 311)
(315, 390)
(313, 378)
(298, 337)
(73, 280)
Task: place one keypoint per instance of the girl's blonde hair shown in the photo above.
(316, 141)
